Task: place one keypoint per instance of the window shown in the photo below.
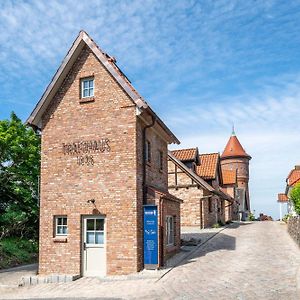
(61, 225)
(148, 152)
(161, 160)
(95, 231)
(87, 87)
(170, 233)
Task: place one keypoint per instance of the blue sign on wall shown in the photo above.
(150, 236)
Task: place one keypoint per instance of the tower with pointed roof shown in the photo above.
(234, 157)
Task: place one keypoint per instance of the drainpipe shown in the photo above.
(161, 232)
(144, 159)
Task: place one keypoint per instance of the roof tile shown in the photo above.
(229, 176)
(185, 154)
(234, 148)
(208, 165)
(293, 177)
(282, 197)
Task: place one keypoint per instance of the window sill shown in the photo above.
(62, 239)
(87, 99)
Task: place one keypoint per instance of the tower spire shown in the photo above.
(233, 132)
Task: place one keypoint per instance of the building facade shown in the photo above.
(103, 158)
(196, 179)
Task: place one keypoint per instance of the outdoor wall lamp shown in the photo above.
(91, 201)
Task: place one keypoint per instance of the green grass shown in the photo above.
(16, 251)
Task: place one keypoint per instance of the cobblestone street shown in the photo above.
(255, 260)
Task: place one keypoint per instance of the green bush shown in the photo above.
(295, 197)
(216, 225)
(286, 218)
(251, 217)
(15, 251)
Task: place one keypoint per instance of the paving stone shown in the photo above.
(250, 261)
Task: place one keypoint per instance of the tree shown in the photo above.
(295, 197)
(19, 171)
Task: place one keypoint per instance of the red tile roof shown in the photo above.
(294, 176)
(229, 176)
(234, 148)
(185, 154)
(282, 197)
(208, 165)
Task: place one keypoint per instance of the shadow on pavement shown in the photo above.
(238, 224)
(218, 242)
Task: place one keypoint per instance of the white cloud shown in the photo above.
(267, 125)
(202, 65)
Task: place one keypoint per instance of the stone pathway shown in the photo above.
(244, 261)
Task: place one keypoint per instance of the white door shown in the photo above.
(94, 252)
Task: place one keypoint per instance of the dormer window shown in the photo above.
(87, 87)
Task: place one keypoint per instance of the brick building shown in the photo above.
(196, 179)
(235, 158)
(283, 199)
(103, 156)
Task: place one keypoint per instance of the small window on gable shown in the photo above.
(87, 87)
(61, 225)
(148, 152)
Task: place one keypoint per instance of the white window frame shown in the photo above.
(89, 88)
(61, 225)
(170, 230)
(94, 230)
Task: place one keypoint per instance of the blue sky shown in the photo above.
(201, 65)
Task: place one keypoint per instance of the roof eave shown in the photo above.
(235, 156)
(84, 39)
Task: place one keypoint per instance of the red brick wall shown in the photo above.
(111, 181)
(210, 217)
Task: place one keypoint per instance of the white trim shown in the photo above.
(62, 225)
(84, 219)
(82, 88)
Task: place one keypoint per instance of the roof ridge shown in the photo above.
(209, 153)
(183, 149)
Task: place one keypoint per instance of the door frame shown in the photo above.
(82, 238)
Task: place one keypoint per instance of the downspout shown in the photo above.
(161, 232)
(144, 159)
